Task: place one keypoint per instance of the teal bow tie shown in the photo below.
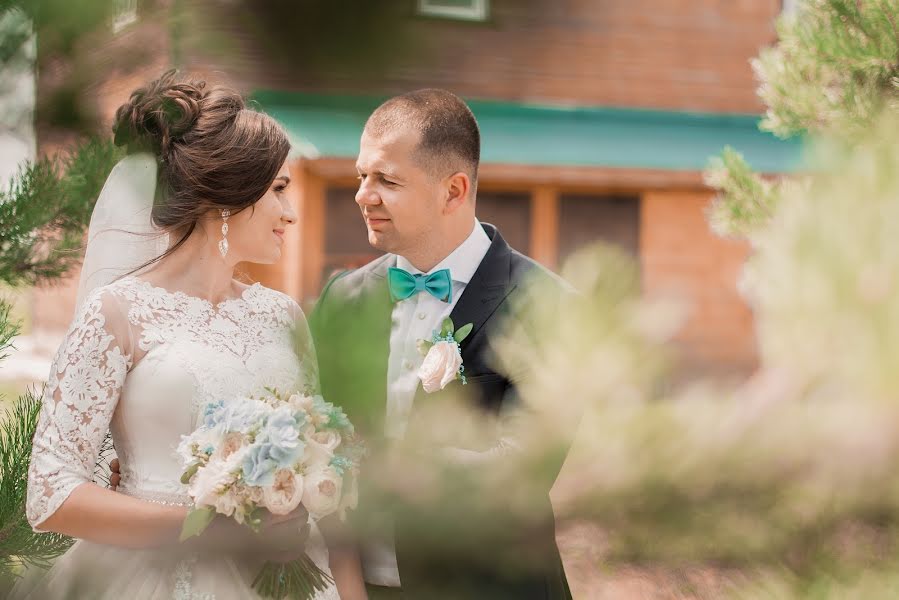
(404, 284)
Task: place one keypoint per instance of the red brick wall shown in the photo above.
(680, 255)
(668, 54)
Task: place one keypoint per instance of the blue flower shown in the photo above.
(282, 433)
(212, 414)
(244, 415)
(258, 466)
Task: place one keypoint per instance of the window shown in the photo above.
(124, 14)
(467, 10)
(346, 237)
(589, 218)
(511, 213)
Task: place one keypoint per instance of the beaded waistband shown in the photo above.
(166, 498)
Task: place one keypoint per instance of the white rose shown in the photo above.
(211, 479)
(441, 365)
(330, 439)
(285, 494)
(320, 448)
(321, 494)
(209, 482)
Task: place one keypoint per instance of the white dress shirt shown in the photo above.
(414, 319)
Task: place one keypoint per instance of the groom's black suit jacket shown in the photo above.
(438, 557)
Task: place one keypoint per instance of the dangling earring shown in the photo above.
(223, 243)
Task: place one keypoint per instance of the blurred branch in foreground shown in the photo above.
(832, 72)
(789, 481)
(45, 210)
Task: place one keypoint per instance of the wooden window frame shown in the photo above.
(479, 10)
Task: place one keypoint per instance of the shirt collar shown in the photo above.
(463, 261)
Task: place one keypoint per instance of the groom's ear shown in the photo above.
(458, 186)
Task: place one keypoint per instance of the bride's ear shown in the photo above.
(458, 185)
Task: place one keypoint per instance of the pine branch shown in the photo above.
(832, 68)
(833, 72)
(19, 544)
(8, 329)
(46, 209)
(745, 199)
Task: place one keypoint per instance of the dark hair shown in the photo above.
(213, 152)
(450, 138)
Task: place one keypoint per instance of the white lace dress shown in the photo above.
(141, 362)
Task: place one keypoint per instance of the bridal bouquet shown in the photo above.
(271, 454)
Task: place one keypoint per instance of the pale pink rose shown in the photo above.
(230, 444)
(330, 439)
(322, 490)
(300, 402)
(440, 366)
(285, 494)
(320, 448)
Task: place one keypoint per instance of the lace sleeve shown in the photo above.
(81, 394)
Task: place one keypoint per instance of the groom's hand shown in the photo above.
(115, 476)
(282, 538)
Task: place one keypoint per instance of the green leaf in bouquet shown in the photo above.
(190, 472)
(447, 328)
(254, 518)
(462, 333)
(196, 522)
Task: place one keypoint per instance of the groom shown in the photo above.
(418, 169)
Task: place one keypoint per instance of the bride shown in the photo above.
(160, 331)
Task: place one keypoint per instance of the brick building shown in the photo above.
(597, 119)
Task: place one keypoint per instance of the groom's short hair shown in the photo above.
(450, 138)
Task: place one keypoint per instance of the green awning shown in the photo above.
(524, 134)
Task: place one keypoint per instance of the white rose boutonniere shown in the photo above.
(443, 357)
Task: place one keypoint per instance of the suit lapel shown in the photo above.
(489, 286)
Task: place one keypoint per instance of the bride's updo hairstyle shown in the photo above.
(213, 152)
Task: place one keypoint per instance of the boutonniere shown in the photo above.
(443, 356)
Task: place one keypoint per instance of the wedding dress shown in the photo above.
(142, 362)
